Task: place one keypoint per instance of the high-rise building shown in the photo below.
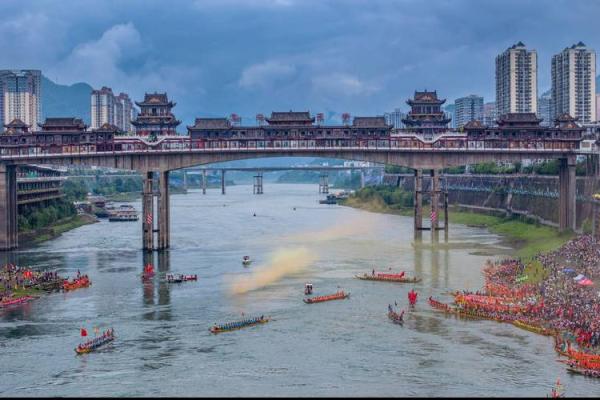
(574, 83)
(466, 109)
(110, 109)
(103, 107)
(489, 114)
(544, 110)
(394, 118)
(127, 113)
(516, 80)
(21, 94)
(597, 107)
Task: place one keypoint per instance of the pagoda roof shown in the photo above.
(290, 116)
(566, 121)
(63, 122)
(106, 127)
(16, 123)
(519, 119)
(377, 121)
(155, 99)
(426, 97)
(211, 123)
(474, 124)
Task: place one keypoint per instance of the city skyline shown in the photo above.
(221, 57)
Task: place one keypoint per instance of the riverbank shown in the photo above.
(528, 238)
(33, 237)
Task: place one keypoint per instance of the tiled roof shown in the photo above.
(369, 122)
(290, 116)
(211, 123)
(474, 124)
(16, 123)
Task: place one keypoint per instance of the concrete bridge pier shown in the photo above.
(418, 203)
(9, 233)
(222, 181)
(324, 184)
(148, 211)
(203, 181)
(258, 183)
(185, 186)
(435, 200)
(362, 178)
(164, 213)
(567, 192)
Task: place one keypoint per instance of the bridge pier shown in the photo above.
(204, 181)
(258, 183)
(164, 213)
(362, 178)
(435, 199)
(148, 211)
(222, 181)
(324, 184)
(567, 193)
(9, 233)
(418, 203)
(185, 186)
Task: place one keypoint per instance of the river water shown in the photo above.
(346, 347)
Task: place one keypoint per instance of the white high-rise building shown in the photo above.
(574, 83)
(469, 108)
(21, 92)
(516, 80)
(103, 107)
(111, 109)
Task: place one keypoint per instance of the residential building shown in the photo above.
(20, 96)
(489, 114)
(545, 111)
(516, 80)
(113, 110)
(469, 108)
(574, 83)
(394, 118)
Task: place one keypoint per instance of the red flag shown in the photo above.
(83, 332)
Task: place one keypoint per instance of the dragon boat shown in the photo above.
(96, 343)
(584, 371)
(77, 283)
(232, 326)
(388, 278)
(19, 300)
(532, 328)
(579, 355)
(318, 299)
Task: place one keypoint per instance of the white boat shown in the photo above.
(123, 213)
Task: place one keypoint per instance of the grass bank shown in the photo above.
(40, 235)
(528, 238)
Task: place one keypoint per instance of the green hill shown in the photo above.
(66, 101)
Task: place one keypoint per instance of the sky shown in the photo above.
(217, 57)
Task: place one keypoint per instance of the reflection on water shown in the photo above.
(339, 348)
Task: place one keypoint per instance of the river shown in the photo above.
(338, 348)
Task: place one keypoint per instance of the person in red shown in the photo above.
(412, 297)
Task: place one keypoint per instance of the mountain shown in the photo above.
(66, 101)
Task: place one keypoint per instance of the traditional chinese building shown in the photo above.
(426, 116)
(155, 117)
(288, 129)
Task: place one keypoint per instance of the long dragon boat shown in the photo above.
(77, 283)
(579, 355)
(584, 371)
(19, 300)
(388, 278)
(318, 299)
(232, 326)
(532, 328)
(96, 343)
(439, 305)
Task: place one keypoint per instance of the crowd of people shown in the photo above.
(13, 277)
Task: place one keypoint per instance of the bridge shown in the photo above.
(151, 162)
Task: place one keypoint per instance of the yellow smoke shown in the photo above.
(282, 262)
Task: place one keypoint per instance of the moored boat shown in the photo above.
(232, 326)
(94, 344)
(336, 296)
(388, 278)
(18, 300)
(190, 277)
(532, 328)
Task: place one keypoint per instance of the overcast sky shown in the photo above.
(215, 57)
